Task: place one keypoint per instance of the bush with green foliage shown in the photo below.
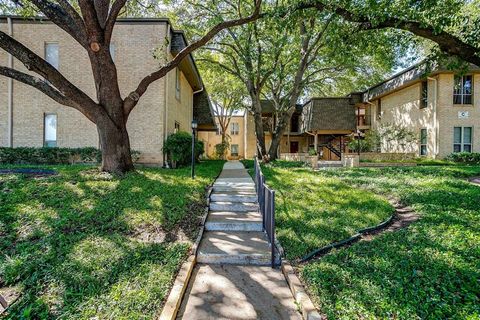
(363, 145)
(221, 150)
(178, 147)
(464, 157)
(30, 155)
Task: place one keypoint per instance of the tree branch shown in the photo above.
(131, 101)
(447, 42)
(37, 83)
(38, 65)
(64, 16)
(117, 6)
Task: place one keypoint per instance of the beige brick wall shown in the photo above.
(448, 114)
(179, 110)
(134, 43)
(402, 107)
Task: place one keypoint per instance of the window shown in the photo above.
(423, 142)
(234, 128)
(379, 109)
(177, 127)
(51, 54)
(177, 83)
(462, 91)
(294, 123)
(50, 130)
(462, 139)
(112, 51)
(234, 150)
(424, 97)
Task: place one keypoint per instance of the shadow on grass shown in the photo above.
(428, 271)
(69, 240)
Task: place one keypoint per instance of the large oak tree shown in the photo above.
(91, 24)
(454, 25)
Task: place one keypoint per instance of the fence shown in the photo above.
(266, 202)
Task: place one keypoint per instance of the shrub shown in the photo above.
(464, 157)
(28, 155)
(178, 147)
(364, 146)
(221, 149)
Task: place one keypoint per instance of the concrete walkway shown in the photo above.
(233, 279)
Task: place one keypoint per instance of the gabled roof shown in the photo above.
(329, 114)
(407, 77)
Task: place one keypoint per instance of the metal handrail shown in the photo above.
(266, 203)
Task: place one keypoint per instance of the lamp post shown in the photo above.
(194, 127)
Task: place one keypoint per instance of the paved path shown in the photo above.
(233, 279)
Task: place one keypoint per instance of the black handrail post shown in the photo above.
(272, 227)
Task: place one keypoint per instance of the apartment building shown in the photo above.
(237, 136)
(139, 46)
(440, 106)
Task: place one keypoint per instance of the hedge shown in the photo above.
(27, 155)
(464, 157)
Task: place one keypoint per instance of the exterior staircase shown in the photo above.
(233, 230)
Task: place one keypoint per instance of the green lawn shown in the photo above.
(429, 271)
(83, 244)
(313, 210)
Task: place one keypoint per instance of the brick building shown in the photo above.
(30, 118)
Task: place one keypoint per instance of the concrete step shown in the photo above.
(233, 206)
(233, 221)
(233, 197)
(234, 247)
(245, 180)
(234, 188)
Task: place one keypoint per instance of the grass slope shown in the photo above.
(429, 271)
(313, 210)
(84, 244)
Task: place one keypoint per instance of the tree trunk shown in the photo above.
(273, 150)
(115, 147)
(282, 125)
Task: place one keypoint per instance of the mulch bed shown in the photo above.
(475, 180)
(30, 172)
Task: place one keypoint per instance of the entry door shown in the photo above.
(293, 146)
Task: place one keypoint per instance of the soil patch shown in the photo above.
(30, 172)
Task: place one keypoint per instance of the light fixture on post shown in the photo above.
(194, 127)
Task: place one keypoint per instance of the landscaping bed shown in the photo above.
(83, 244)
(429, 270)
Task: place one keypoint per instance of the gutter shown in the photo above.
(435, 125)
(10, 91)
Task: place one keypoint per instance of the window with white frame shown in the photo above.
(112, 51)
(177, 83)
(462, 139)
(234, 150)
(50, 130)
(423, 142)
(463, 89)
(51, 54)
(234, 128)
(424, 98)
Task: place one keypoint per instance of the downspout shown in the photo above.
(435, 125)
(165, 113)
(10, 90)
